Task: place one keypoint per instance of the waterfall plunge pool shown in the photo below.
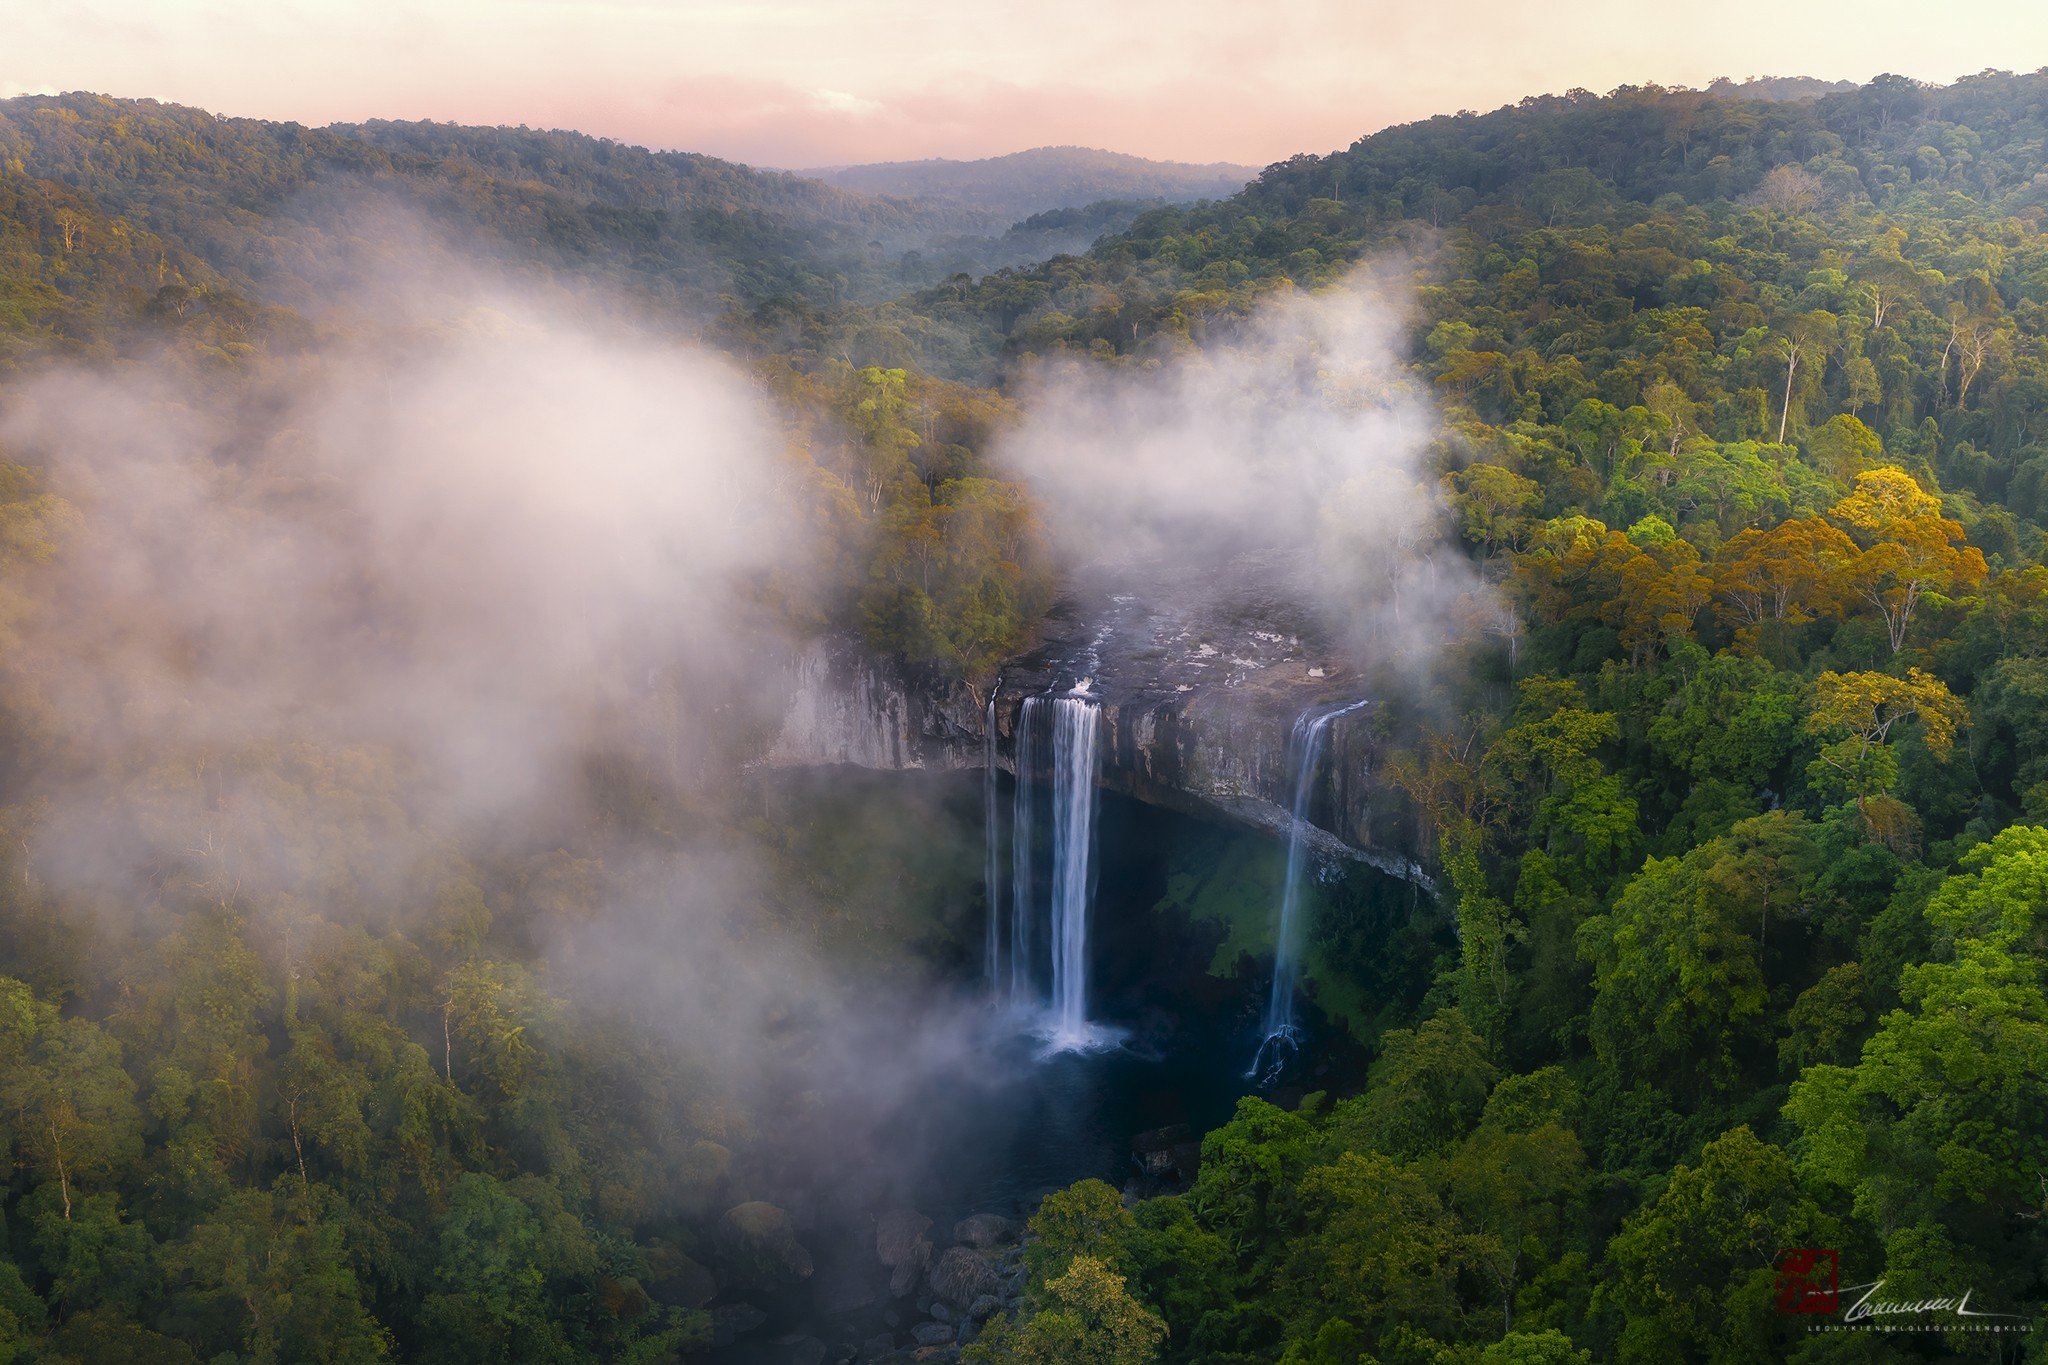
(1179, 972)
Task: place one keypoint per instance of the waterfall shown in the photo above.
(1023, 900)
(992, 864)
(1059, 891)
(1076, 762)
(1282, 1036)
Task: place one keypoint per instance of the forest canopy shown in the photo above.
(1738, 807)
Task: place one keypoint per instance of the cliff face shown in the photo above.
(1197, 706)
(848, 707)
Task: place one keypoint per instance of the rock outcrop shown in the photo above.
(901, 1245)
(847, 707)
(1197, 706)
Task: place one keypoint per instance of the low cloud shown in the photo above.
(1295, 448)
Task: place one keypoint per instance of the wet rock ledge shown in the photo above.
(1197, 705)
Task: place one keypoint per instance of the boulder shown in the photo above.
(760, 1239)
(984, 1230)
(984, 1308)
(960, 1276)
(897, 1234)
(932, 1334)
(908, 1271)
(877, 1347)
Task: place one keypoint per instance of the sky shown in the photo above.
(800, 83)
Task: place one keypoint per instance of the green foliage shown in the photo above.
(1087, 1219)
(1744, 396)
(1689, 1275)
(1426, 1089)
(1945, 1108)
(1547, 1347)
(1087, 1318)
(1678, 964)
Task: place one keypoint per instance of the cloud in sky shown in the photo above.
(794, 82)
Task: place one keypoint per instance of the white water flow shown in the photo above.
(1282, 1032)
(1076, 762)
(992, 865)
(1023, 899)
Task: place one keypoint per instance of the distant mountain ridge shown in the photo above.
(1021, 184)
(271, 208)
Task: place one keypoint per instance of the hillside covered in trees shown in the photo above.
(1740, 808)
(278, 209)
(1736, 793)
(1015, 187)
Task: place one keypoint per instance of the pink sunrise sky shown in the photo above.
(819, 82)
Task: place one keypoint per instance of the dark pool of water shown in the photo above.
(1002, 1124)
(995, 1137)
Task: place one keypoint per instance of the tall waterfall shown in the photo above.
(1023, 845)
(992, 865)
(1076, 763)
(1059, 762)
(1282, 1033)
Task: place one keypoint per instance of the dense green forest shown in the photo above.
(1738, 809)
(1744, 414)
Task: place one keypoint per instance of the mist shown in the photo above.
(1295, 450)
(475, 598)
(480, 548)
(485, 602)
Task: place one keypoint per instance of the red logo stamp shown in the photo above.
(1809, 1281)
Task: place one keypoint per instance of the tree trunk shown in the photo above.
(1785, 409)
(297, 1150)
(63, 1175)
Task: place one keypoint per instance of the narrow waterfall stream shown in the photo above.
(1077, 762)
(991, 808)
(1282, 1031)
(1023, 851)
(1040, 967)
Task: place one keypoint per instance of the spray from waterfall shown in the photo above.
(1077, 761)
(1282, 1032)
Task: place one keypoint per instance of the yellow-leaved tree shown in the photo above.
(1855, 713)
(1908, 548)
